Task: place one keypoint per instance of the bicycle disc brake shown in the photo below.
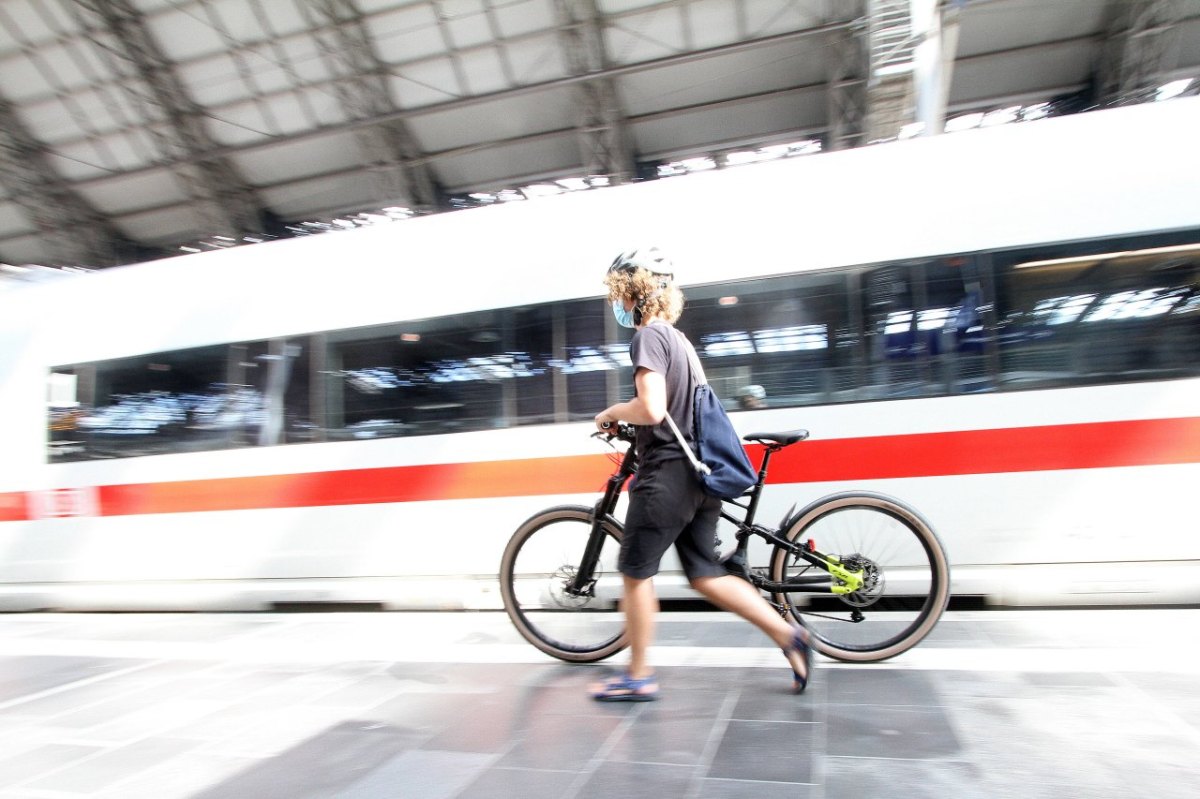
(872, 577)
(560, 591)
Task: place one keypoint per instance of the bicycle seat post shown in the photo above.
(756, 491)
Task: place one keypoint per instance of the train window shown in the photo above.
(1102, 311)
(470, 372)
(277, 372)
(150, 404)
(596, 371)
(925, 328)
(1105, 316)
(531, 344)
(774, 342)
(68, 396)
(184, 401)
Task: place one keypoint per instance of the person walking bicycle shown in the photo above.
(667, 503)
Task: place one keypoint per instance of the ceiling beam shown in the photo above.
(71, 231)
(846, 93)
(393, 158)
(602, 134)
(965, 106)
(890, 45)
(1140, 50)
(479, 99)
(854, 86)
(175, 122)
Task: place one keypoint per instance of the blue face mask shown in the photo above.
(624, 318)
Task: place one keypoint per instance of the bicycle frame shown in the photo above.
(834, 578)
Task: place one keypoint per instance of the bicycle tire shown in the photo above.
(540, 559)
(908, 573)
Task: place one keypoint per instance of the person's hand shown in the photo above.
(605, 421)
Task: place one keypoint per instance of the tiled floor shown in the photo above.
(454, 706)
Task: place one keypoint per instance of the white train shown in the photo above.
(1000, 327)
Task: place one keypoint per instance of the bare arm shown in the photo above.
(648, 407)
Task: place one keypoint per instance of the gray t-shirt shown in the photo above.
(660, 348)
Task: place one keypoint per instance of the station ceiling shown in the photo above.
(130, 129)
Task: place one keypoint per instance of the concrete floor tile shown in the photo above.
(864, 687)
(26, 765)
(888, 731)
(317, 767)
(755, 789)
(97, 772)
(561, 743)
(496, 783)
(637, 781)
(1036, 717)
(853, 778)
(765, 750)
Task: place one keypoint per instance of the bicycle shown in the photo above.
(875, 587)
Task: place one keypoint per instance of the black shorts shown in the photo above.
(667, 505)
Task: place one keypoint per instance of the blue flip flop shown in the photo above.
(801, 645)
(623, 688)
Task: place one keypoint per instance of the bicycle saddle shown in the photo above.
(778, 439)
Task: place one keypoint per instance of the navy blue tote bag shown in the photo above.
(720, 460)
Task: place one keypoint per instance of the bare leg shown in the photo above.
(738, 596)
(640, 604)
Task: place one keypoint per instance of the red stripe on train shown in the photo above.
(1144, 442)
(12, 506)
(567, 475)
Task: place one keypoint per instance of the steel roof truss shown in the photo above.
(238, 55)
(44, 67)
(1141, 48)
(393, 157)
(890, 45)
(846, 94)
(225, 202)
(603, 140)
(280, 57)
(72, 232)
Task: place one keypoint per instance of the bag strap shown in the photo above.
(698, 371)
(693, 358)
(697, 464)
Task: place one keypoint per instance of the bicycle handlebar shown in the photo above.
(621, 430)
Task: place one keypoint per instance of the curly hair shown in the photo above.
(655, 295)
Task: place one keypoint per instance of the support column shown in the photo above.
(1141, 49)
(847, 89)
(603, 144)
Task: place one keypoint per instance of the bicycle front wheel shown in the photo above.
(905, 572)
(536, 577)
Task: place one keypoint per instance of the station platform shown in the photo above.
(1078, 703)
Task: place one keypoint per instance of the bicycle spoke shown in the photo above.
(541, 595)
(904, 589)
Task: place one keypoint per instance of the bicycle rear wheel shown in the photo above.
(906, 576)
(539, 564)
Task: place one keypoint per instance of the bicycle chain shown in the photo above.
(783, 611)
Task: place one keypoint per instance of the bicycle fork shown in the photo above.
(584, 582)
